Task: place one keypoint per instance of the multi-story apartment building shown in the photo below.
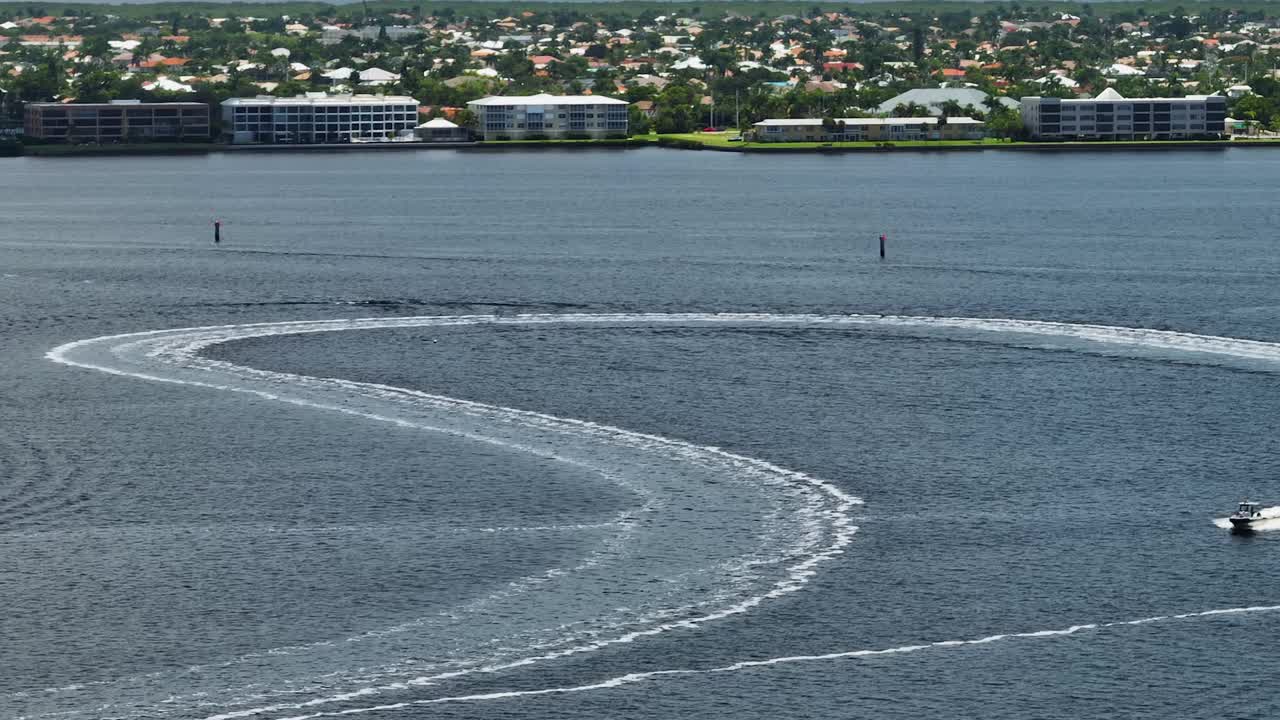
(1110, 116)
(550, 116)
(116, 121)
(332, 35)
(316, 118)
(868, 129)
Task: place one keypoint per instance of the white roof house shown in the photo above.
(377, 76)
(438, 124)
(1061, 80)
(545, 99)
(164, 83)
(690, 63)
(1122, 70)
(933, 98)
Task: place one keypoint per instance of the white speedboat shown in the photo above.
(1245, 515)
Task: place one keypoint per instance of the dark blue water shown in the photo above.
(1010, 487)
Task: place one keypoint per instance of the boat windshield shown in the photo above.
(1246, 508)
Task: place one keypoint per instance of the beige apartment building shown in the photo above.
(116, 121)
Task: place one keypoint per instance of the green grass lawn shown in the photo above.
(722, 140)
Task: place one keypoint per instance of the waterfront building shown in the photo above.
(116, 121)
(868, 129)
(316, 118)
(1111, 116)
(441, 130)
(550, 116)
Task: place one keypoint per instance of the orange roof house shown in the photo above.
(163, 62)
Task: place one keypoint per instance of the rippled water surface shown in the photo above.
(634, 505)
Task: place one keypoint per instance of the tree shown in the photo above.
(676, 119)
(466, 118)
(101, 85)
(1003, 122)
(1255, 107)
(638, 122)
(910, 110)
(42, 83)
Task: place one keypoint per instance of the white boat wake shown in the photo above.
(761, 531)
(640, 677)
(1269, 522)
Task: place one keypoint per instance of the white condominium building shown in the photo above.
(550, 116)
(317, 118)
(1111, 116)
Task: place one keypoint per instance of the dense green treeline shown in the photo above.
(630, 8)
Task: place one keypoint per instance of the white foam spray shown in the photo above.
(640, 677)
(820, 508)
(1269, 522)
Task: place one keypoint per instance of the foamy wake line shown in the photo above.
(641, 677)
(761, 531)
(790, 523)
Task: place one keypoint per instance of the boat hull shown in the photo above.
(1242, 523)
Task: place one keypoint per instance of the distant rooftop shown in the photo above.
(1111, 95)
(933, 98)
(315, 98)
(545, 99)
(118, 103)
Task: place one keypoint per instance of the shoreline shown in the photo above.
(684, 142)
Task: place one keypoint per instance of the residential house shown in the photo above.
(441, 130)
(935, 98)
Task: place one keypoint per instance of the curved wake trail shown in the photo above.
(771, 528)
(641, 677)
